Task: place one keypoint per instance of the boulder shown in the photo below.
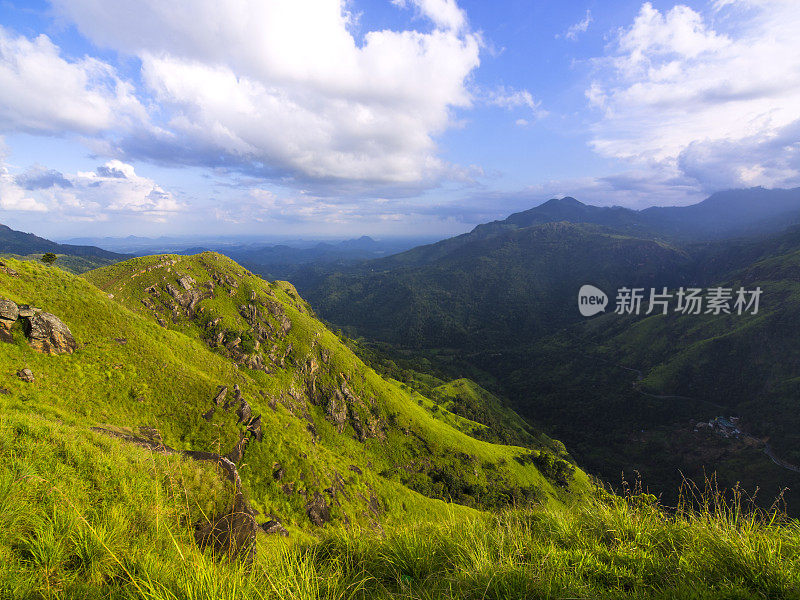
(222, 391)
(8, 316)
(186, 282)
(232, 535)
(26, 311)
(254, 428)
(47, 333)
(274, 526)
(26, 375)
(245, 412)
(317, 511)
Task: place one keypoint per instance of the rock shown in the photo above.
(4, 391)
(355, 469)
(26, 375)
(121, 341)
(254, 428)
(278, 471)
(317, 511)
(336, 411)
(233, 535)
(208, 415)
(274, 526)
(245, 412)
(47, 333)
(186, 282)
(222, 391)
(8, 316)
(237, 452)
(7, 270)
(26, 311)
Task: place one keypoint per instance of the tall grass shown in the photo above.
(711, 546)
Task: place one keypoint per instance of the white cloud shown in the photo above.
(41, 92)
(511, 98)
(678, 94)
(580, 27)
(112, 190)
(444, 13)
(283, 89)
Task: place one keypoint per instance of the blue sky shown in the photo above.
(404, 117)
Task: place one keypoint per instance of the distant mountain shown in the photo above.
(17, 242)
(724, 214)
(499, 303)
(491, 291)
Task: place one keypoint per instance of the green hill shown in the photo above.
(112, 465)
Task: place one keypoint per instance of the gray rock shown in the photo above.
(254, 428)
(47, 333)
(26, 375)
(222, 391)
(8, 316)
(186, 282)
(274, 526)
(26, 311)
(317, 511)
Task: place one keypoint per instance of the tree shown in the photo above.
(49, 258)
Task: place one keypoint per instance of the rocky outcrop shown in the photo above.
(231, 534)
(45, 332)
(26, 375)
(274, 526)
(318, 511)
(9, 313)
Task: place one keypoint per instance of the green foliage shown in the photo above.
(48, 258)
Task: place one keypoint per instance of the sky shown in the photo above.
(326, 118)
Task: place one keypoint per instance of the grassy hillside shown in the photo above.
(85, 515)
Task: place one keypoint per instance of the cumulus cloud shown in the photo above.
(680, 95)
(283, 89)
(113, 189)
(41, 92)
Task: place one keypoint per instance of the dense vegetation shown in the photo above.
(499, 306)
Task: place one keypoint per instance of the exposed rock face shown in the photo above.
(26, 375)
(186, 282)
(317, 511)
(47, 333)
(233, 534)
(336, 411)
(8, 316)
(274, 526)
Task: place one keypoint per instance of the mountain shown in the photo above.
(17, 242)
(628, 393)
(499, 304)
(196, 356)
(178, 427)
(722, 215)
(492, 291)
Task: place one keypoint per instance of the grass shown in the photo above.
(608, 547)
(83, 515)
